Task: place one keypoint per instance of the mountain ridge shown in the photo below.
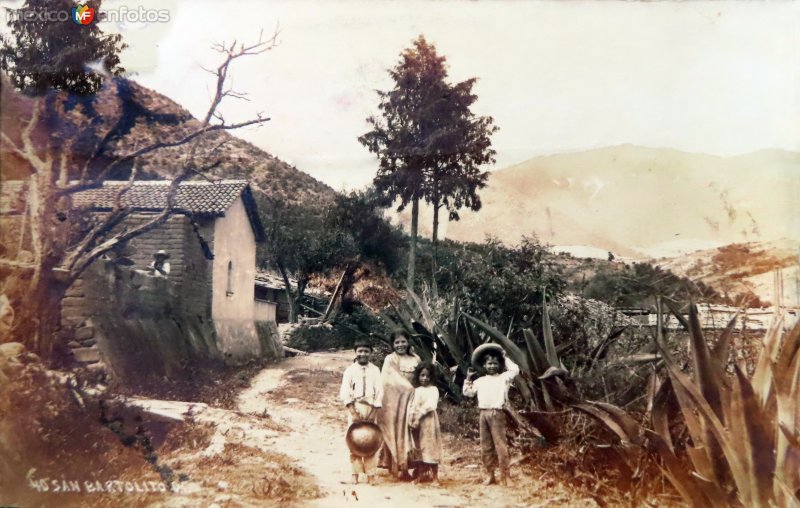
(626, 198)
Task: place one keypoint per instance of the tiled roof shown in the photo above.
(193, 197)
(271, 280)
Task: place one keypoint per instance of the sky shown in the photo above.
(720, 77)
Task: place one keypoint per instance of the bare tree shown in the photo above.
(67, 143)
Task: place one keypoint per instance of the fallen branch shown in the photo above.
(294, 352)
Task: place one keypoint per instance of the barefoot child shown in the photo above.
(424, 423)
(361, 393)
(492, 392)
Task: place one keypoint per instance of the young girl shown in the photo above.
(424, 423)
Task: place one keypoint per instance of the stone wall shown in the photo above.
(139, 328)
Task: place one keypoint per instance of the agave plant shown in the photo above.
(439, 337)
(744, 432)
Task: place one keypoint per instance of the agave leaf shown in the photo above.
(785, 494)
(653, 382)
(538, 357)
(675, 470)
(660, 413)
(759, 439)
(703, 368)
(470, 341)
(607, 419)
(454, 314)
(710, 387)
(762, 377)
(599, 352)
(524, 390)
(422, 308)
(404, 321)
(740, 440)
(691, 399)
(782, 368)
(701, 462)
(516, 354)
(628, 424)
(786, 373)
(548, 399)
(722, 348)
(547, 330)
(704, 426)
(792, 436)
(677, 313)
(445, 337)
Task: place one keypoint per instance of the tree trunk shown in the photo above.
(301, 289)
(434, 249)
(287, 287)
(38, 321)
(412, 251)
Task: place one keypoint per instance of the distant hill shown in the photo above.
(640, 202)
(743, 267)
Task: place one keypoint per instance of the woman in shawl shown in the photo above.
(397, 374)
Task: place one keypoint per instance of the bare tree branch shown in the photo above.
(13, 146)
(89, 257)
(232, 54)
(69, 189)
(103, 226)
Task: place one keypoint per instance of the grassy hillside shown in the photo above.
(161, 118)
(743, 267)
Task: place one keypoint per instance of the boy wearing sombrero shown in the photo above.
(362, 393)
(492, 392)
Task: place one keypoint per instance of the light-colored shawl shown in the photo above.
(396, 375)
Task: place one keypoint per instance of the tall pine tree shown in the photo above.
(428, 142)
(47, 50)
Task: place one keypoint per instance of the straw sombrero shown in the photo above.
(477, 355)
(364, 438)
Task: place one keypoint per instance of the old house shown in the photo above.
(121, 312)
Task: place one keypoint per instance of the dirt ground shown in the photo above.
(300, 394)
(280, 442)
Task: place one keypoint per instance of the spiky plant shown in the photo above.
(744, 431)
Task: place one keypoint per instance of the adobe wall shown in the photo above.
(234, 243)
(138, 324)
(135, 324)
(232, 304)
(189, 268)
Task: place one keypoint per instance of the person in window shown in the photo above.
(160, 266)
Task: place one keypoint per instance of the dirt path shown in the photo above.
(301, 393)
(290, 424)
(317, 443)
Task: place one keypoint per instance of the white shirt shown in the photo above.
(164, 269)
(426, 399)
(362, 382)
(492, 391)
